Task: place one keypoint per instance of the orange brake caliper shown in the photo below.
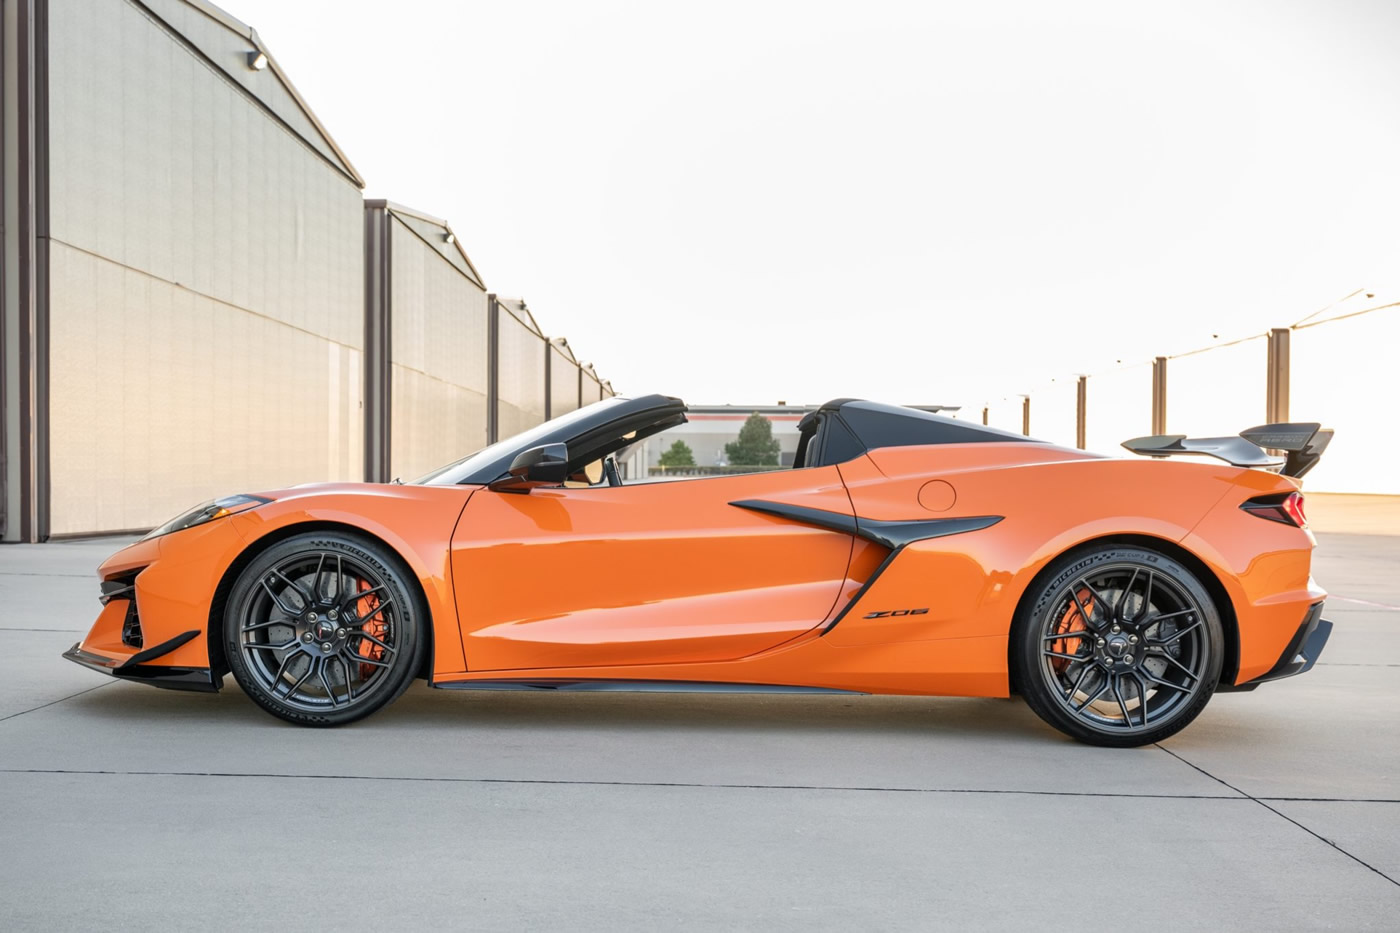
(1073, 621)
(376, 626)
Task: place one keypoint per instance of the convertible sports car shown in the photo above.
(903, 553)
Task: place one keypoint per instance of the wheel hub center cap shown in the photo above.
(1117, 646)
(323, 630)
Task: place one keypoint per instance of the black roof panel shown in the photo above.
(879, 425)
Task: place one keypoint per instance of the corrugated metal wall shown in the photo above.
(521, 360)
(592, 388)
(202, 304)
(439, 357)
(563, 383)
(206, 281)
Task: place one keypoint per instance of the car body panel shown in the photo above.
(802, 577)
(179, 574)
(174, 588)
(651, 572)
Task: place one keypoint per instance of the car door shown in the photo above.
(652, 573)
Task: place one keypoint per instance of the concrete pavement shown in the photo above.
(127, 807)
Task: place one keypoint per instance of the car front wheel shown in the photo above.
(322, 629)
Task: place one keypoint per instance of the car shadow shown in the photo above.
(428, 709)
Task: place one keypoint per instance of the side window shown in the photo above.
(838, 443)
(825, 441)
(590, 475)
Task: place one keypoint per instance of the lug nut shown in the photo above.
(1101, 642)
(332, 615)
(306, 637)
(1116, 630)
(1132, 639)
(340, 633)
(325, 646)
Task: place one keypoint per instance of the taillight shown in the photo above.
(1286, 507)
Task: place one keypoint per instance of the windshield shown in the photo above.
(453, 473)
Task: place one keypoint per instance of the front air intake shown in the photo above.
(124, 587)
(131, 626)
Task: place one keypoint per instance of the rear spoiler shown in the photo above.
(1302, 442)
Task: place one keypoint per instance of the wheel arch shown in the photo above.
(1208, 577)
(218, 661)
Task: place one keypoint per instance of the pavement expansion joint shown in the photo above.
(12, 628)
(604, 783)
(40, 573)
(70, 696)
(1261, 801)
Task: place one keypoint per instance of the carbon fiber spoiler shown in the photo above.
(1303, 442)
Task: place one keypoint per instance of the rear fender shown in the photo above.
(970, 585)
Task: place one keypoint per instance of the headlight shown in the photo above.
(207, 512)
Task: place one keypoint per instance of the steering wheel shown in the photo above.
(610, 472)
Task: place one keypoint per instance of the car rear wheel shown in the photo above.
(1118, 646)
(323, 629)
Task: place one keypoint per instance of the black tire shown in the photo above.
(1134, 663)
(323, 629)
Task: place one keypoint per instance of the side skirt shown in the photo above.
(632, 686)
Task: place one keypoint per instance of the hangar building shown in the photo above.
(197, 300)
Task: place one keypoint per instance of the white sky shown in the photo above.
(919, 202)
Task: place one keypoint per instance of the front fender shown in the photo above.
(416, 522)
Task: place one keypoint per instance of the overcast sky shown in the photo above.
(922, 202)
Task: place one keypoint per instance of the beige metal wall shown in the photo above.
(563, 383)
(520, 374)
(206, 279)
(438, 358)
(592, 390)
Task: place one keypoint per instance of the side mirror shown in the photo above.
(546, 465)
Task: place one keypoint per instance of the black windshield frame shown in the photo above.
(590, 433)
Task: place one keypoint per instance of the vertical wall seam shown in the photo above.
(5, 233)
(493, 368)
(1081, 412)
(1159, 395)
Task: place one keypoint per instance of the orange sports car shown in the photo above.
(903, 553)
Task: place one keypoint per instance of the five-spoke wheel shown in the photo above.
(321, 629)
(1118, 646)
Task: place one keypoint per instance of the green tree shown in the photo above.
(755, 446)
(678, 455)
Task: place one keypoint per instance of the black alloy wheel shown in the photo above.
(1118, 646)
(322, 629)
